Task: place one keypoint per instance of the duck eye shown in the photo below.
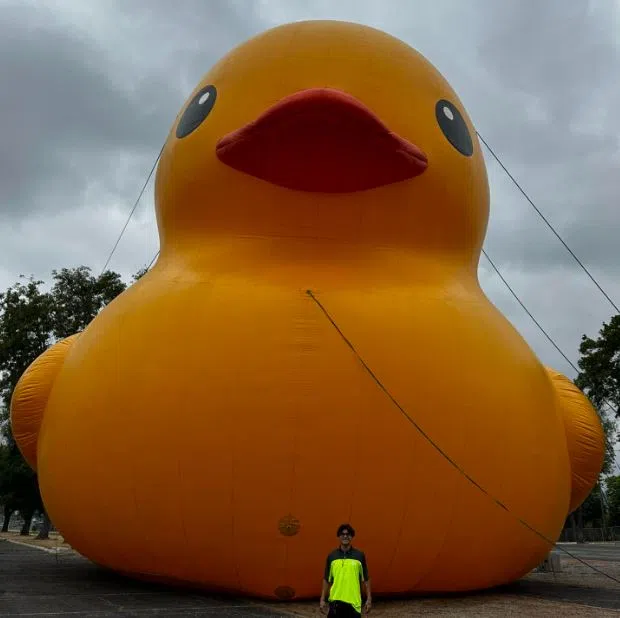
(199, 108)
(454, 127)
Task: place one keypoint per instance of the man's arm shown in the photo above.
(324, 590)
(368, 591)
(325, 585)
(366, 579)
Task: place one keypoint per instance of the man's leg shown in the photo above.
(351, 612)
(339, 609)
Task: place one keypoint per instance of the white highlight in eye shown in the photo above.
(448, 112)
(204, 98)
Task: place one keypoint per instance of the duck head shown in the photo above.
(326, 130)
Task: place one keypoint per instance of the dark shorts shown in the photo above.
(340, 609)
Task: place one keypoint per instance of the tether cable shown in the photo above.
(542, 330)
(439, 449)
(146, 182)
(555, 345)
(152, 261)
(527, 197)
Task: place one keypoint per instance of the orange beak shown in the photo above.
(321, 140)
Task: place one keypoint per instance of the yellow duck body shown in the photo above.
(298, 357)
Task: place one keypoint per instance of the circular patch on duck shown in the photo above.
(284, 592)
(289, 525)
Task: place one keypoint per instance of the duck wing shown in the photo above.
(31, 394)
(585, 437)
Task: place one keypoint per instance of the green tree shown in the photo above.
(78, 296)
(25, 333)
(599, 379)
(6, 499)
(612, 484)
(600, 366)
(592, 509)
(140, 273)
(609, 429)
(19, 489)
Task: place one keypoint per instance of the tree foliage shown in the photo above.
(600, 365)
(77, 297)
(613, 499)
(592, 509)
(25, 332)
(140, 273)
(599, 379)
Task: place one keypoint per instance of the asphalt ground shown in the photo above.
(607, 552)
(38, 583)
(588, 586)
(63, 583)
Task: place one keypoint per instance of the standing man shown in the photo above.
(345, 570)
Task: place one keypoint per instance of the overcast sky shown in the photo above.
(88, 91)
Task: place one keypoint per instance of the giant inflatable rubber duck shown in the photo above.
(311, 347)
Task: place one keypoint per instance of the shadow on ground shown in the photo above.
(547, 588)
(36, 583)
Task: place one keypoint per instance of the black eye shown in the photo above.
(453, 126)
(197, 111)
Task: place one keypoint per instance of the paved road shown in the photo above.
(549, 588)
(36, 583)
(591, 551)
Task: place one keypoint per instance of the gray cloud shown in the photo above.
(64, 118)
(87, 109)
(553, 121)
